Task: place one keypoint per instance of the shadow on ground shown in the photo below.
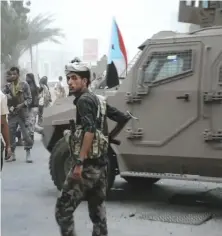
(173, 195)
(165, 203)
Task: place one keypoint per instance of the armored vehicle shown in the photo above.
(174, 88)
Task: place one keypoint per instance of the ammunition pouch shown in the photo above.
(100, 143)
(99, 146)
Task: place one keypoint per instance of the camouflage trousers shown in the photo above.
(91, 187)
(22, 121)
(40, 114)
(31, 121)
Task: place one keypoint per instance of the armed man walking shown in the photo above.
(19, 99)
(59, 89)
(87, 179)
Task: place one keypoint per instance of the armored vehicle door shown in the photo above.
(213, 99)
(167, 93)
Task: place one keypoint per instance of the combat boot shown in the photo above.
(28, 156)
(11, 158)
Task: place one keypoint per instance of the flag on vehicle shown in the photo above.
(117, 58)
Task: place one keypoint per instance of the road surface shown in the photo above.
(28, 199)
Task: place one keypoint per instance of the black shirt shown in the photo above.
(35, 96)
(86, 115)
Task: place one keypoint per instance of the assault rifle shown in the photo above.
(73, 130)
(72, 126)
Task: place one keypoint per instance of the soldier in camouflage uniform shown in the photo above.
(44, 97)
(87, 179)
(33, 109)
(19, 99)
(59, 89)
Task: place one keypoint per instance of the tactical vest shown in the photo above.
(100, 141)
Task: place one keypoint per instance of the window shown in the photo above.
(163, 65)
(204, 4)
(220, 75)
(190, 3)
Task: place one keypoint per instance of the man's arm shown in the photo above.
(88, 122)
(119, 117)
(115, 115)
(6, 91)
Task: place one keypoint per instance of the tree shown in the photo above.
(39, 32)
(20, 34)
(13, 27)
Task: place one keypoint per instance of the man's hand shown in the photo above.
(9, 97)
(19, 106)
(77, 172)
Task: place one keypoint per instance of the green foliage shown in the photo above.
(18, 33)
(13, 27)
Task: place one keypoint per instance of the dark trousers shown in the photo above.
(19, 133)
(40, 114)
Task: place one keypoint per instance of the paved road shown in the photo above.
(28, 199)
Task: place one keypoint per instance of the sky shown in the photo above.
(137, 20)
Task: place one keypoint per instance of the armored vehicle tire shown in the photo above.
(60, 162)
(141, 182)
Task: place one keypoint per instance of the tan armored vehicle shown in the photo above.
(174, 88)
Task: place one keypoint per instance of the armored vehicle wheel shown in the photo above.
(141, 182)
(60, 162)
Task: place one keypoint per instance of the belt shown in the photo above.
(95, 162)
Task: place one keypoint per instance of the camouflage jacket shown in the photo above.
(23, 95)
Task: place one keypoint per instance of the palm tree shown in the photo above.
(39, 32)
(19, 35)
(12, 31)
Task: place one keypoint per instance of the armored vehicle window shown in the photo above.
(204, 4)
(190, 3)
(220, 75)
(163, 65)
